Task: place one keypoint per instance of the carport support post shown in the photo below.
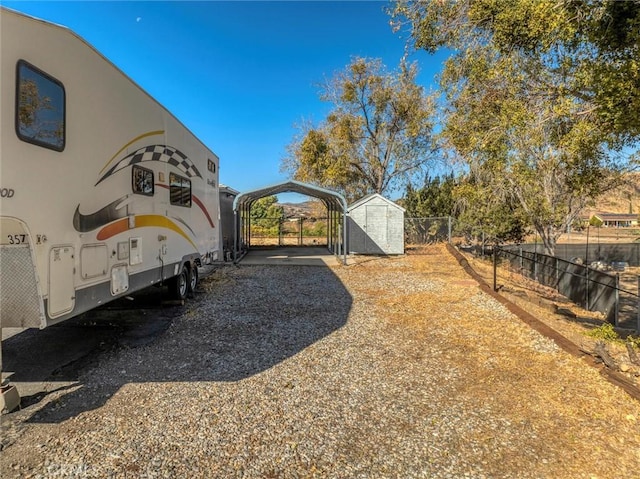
(344, 237)
(235, 236)
(248, 222)
(329, 238)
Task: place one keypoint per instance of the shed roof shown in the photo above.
(334, 201)
(368, 198)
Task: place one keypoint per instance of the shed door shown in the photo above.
(376, 237)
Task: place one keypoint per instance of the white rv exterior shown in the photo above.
(103, 192)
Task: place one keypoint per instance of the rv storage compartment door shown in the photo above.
(119, 279)
(93, 261)
(61, 292)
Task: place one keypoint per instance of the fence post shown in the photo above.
(495, 268)
(300, 242)
(586, 268)
(638, 309)
(521, 261)
(449, 230)
(586, 253)
(617, 305)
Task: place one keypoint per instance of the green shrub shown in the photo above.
(605, 332)
(634, 340)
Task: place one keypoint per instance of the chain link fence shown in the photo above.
(421, 231)
(597, 277)
(607, 292)
(430, 230)
(288, 231)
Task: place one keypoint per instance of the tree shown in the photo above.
(435, 198)
(589, 48)
(266, 215)
(428, 209)
(483, 214)
(376, 137)
(521, 107)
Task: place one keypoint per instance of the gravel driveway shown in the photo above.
(395, 367)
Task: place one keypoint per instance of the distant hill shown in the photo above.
(306, 209)
(624, 199)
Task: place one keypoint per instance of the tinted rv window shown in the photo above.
(179, 190)
(40, 107)
(142, 180)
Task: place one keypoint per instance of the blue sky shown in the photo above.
(240, 75)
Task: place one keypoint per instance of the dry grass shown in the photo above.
(553, 309)
(505, 366)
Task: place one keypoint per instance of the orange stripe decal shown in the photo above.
(113, 229)
(142, 221)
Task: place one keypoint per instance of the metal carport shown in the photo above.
(334, 202)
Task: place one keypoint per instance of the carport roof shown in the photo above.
(334, 201)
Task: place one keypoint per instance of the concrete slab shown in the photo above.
(291, 255)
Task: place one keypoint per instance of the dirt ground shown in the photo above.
(419, 374)
(568, 319)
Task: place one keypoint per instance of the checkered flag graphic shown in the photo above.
(163, 153)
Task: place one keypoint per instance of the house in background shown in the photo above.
(616, 220)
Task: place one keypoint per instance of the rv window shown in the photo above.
(142, 180)
(40, 107)
(179, 190)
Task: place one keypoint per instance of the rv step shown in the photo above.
(9, 399)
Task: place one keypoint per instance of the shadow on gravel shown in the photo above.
(40, 362)
(242, 321)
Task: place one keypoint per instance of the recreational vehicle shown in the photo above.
(103, 191)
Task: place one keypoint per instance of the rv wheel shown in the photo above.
(193, 279)
(179, 285)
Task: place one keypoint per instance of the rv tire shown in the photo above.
(179, 285)
(193, 279)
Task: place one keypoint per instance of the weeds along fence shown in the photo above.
(607, 292)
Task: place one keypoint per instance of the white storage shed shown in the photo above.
(376, 226)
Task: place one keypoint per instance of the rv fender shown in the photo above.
(191, 261)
